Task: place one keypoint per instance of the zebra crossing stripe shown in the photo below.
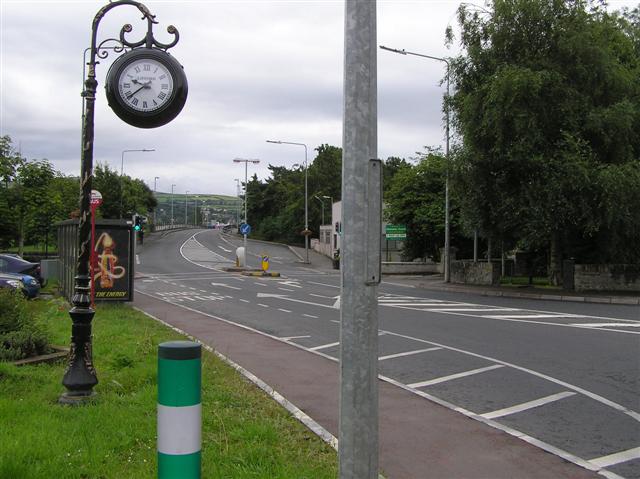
(179, 410)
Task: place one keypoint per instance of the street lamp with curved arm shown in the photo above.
(447, 232)
(145, 150)
(306, 194)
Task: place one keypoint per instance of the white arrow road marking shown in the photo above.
(294, 284)
(222, 285)
(336, 305)
(286, 298)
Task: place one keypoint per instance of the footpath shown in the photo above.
(417, 438)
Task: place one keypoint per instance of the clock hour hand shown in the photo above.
(144, 85)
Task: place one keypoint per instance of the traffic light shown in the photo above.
(137, 223)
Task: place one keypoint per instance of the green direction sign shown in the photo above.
(396, 232)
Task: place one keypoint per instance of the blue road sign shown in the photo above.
(245, 229)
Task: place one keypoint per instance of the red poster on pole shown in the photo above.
(96, 201)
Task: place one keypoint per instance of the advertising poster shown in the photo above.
(113, 273)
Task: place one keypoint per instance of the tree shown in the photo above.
(122, 196)
(416, 199)
(547, 105)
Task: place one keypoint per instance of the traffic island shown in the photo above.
(261, 274)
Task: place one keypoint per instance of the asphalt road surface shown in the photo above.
(565, 374)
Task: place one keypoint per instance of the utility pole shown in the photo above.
(186, 207)
(361, 254)
(172, 186)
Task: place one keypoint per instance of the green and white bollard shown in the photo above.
(179, 410)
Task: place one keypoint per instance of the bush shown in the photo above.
(20, 336)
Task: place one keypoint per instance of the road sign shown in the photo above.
(96, 198)
(245, 229)
(396, 232)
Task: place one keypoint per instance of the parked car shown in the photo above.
(28, 285)
(10, 263)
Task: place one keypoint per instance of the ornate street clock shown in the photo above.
(146, 87)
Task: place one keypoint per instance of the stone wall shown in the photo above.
(413, 267)
(468, 272)
(607, 277)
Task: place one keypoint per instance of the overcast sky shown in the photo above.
(257, 70)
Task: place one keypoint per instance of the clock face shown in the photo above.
(145, 85)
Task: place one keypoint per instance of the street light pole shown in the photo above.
(237, 203)
(246, 184)
(447, 229)
(306, 194)
(321, 206)
(172, 186)
(331, 203)
(186, 206)
(122, 171)
(155, 184)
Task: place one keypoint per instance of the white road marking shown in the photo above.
(292, 283)
(260, 284)
(454, 376)
(289, 338)
(527, 316)
(284, 310)
(245, 300)
(238, 279)
(406, 353)
(148, 280)
(263, 305)
(617, 458)
(324, 346)
(446, 310)
(285, 289)
(310, 316)
(137, 259)
(527, 405)
(224, 249)
(203, 291)
(223, 285)
(324, 284)
(596, 397)
(604, 325)
(286, 298)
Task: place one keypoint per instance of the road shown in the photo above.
(566, 376)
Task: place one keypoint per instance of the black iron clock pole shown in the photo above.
(80, 376)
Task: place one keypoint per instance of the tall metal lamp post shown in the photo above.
(172, 187)
(245, 161)
(122, 172)
(186, 207)
(80, 376)
(321, 206)
(237, 180)
(155, 184)
(447, 232)
(306, 231)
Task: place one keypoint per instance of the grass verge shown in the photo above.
(244, 433)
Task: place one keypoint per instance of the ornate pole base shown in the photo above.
(80, 376)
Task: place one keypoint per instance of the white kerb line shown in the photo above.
(454, 376)
(406, 353)
(527, 405)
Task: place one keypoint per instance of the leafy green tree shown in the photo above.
(122, 196)
(547, 105)
(416, 199)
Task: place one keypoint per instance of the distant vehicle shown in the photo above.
(28, 285)
(10, 263)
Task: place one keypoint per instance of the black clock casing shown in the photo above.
(170, 107)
